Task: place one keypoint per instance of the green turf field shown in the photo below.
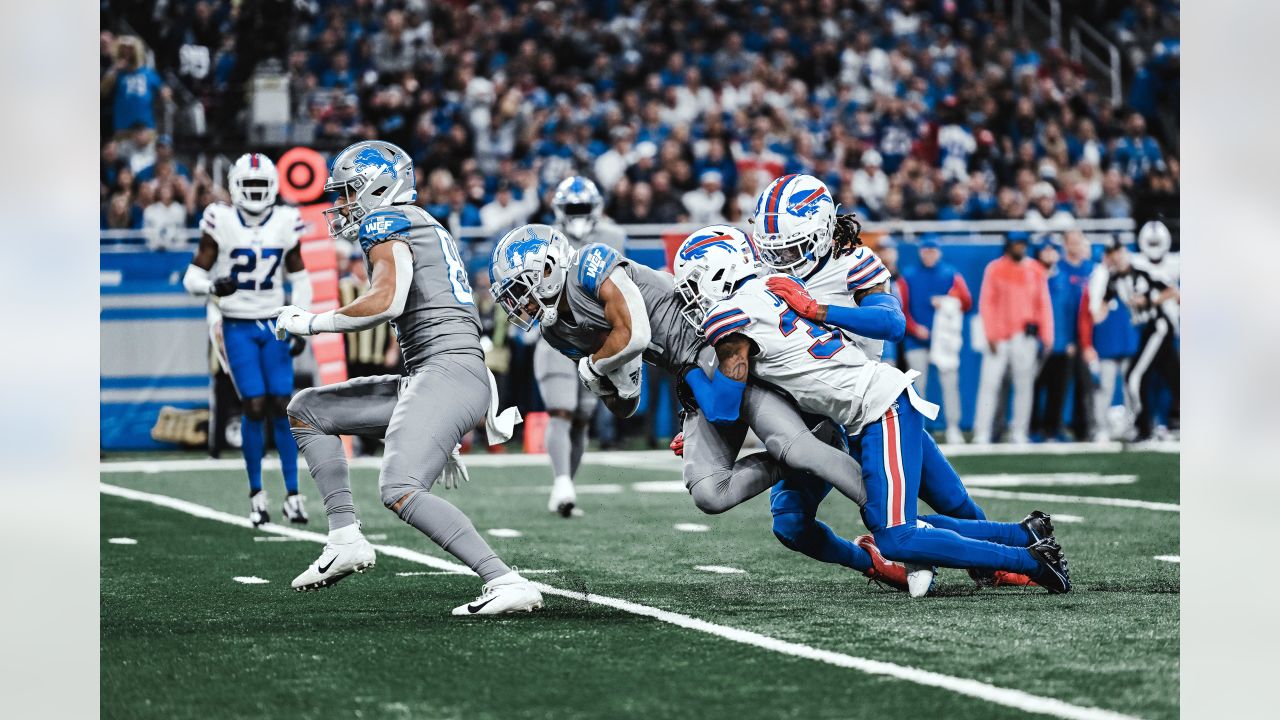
(181, 639)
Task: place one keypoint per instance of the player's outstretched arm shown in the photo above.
(391, 275)
(720, 396)
(197, 279)
(879, 315)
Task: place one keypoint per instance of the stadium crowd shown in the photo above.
(681, 111)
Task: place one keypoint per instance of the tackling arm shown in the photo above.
(720, 397)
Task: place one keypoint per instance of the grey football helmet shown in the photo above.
(368, 175)
(578, 206)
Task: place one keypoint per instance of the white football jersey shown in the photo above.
(839, 277)
(253, 255)
(816, 364)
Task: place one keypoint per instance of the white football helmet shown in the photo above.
(368, 175)
(577, 205)
(709, 266)
(253, 183)
(527, 274)
(794, 224)
(1155, 240)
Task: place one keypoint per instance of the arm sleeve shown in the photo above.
(960, 291)
(334, 321)
(880, 317)
(719, 397)
(196, 281)
(640, 331)
(300, 283)
(904, 289)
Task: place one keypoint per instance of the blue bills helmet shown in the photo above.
(794, 224)
(368, 175)
(709, 265)
(527, 273)
(577, 205)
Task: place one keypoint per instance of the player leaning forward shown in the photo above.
(419, 285)
(754, 333)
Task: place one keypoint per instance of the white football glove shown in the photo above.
(455, 471)
(293, 320)
(627, 379)
(593, 380)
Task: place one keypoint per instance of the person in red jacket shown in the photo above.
(1017, 321)
(935, 289)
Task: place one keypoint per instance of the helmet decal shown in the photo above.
(696, 247)
(370, 157)
(805, 204)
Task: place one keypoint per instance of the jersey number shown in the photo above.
(826, 342)
(457, 271)
(247, 262)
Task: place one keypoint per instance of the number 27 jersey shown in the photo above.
(253, 256)
(823, 371)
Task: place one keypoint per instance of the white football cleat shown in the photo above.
(920, 579)
(346, 552)
(563, 498)
(954, 436)
(506, 594)
(258, 508)
(295, 510)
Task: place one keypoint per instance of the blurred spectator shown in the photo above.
(164, 220)
(1108, 338)
(870, 182)
(165, 169)
(705, 205)
(1044, 215)
(1137, 153)
(1065, 365)
(1017, 324)
(119, 213)
(135, 90)
(935, 299)
(612, 164)
(1113, 203)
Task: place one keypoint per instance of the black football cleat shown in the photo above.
(1038, 525)
(1052, 575)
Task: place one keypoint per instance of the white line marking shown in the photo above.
(376, 536)
(1047, 479)
(1082, 499)
(504, 532)
(692, 527)
(122, 541)
(452, 572)
(1017, 699)
(661, 459)
(587, 489)
(250, 580)
(660, 486)
(720, 569)
(1170, 558)
(1063, 517)
(276, 538)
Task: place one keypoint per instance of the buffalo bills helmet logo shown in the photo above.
(806, 203)
(696, 247)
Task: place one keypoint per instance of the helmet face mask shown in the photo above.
(578, 206)
(527, 274)
(794, 224)
(367, 176)
(253, 183)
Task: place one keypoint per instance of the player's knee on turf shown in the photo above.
(254, 408)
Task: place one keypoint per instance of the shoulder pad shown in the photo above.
(865, 270)
(214, 214)
(595, 262)
(384, 225)
(724, 318)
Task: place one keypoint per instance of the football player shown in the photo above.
(610, 314)
(418, 283)
(756, 334)
(844, 284)
(570, 406)
(248, 251)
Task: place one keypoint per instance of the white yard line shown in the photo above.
(504, 532)
(1047, 479)
(250, 580)
(692, 527)
(720, 569)
(1063, 517)
(122, 541)
(1016, 699)
(1081, 499)
(1170, 558)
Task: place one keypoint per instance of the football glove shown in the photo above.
(455, 471)
(677, 444)
(794, 294)
(593, 380)
(292, 320)
(223, 287)
(684, 393)
(296, 346)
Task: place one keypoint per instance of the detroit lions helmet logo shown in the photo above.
(370, 157)
(520, 248)
(806, 203)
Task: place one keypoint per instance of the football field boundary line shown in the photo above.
(1081, 499)
(1007, 697)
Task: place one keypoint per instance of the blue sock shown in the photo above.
(288, 449)
(1004, 533)
(815, 539)
(253, 443)
(936, 546)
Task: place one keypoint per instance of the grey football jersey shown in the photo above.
(439, 315)
(673, 344)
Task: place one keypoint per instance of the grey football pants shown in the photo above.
(421, 417)
(563, 394)
(718, 480)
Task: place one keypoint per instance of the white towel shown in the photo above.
(946, 334)
(499, 426)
